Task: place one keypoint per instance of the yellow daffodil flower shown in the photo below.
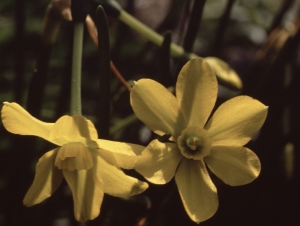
(91, 166)
(197, 141)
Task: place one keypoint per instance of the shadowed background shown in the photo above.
(258, 38)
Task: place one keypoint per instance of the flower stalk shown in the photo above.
(225, 74)
(151, 35)
(76, 70)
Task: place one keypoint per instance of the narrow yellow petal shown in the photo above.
(115, 181)
(72, 129)
(18, 121)
(125, 154)
(87, 193)
(47, 179)
(158, 162)
(157, 107)
(236, 121)
(233, 165)
(196, 92)
(197, 191)
(226, 75)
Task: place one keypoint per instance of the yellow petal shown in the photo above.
(158, 162)
(18, 121)
(196, 92)
(157, 107)
(87, 193)
(115, 181)
(47, 179)
(72, 129)
(73, 156)
(236, 121)
(125, 154)
(233, 165)
(197, 191)
(226, 75)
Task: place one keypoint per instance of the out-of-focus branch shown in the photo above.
(194, 24)
(223, 23)
(286, 4)
(92, 30)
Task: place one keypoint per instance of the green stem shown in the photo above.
(176, 50)
(224, 73)
(76, 70)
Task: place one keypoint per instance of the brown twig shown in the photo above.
(119, 76)
(91, 27)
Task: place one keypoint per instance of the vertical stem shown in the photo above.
(104, 73)
(76, 70)
(223, 23)
(194, 24)
(79, 15)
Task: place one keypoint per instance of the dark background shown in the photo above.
(258, 38)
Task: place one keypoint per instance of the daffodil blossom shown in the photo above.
(197, 141)
(91, 166)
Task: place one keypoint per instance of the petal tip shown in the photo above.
(139, 187)
(26, 203)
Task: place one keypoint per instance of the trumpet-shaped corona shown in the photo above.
(91, 166)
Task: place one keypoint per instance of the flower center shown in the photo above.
(194, 143)
(73, 156)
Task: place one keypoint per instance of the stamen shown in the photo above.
(193, 143)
